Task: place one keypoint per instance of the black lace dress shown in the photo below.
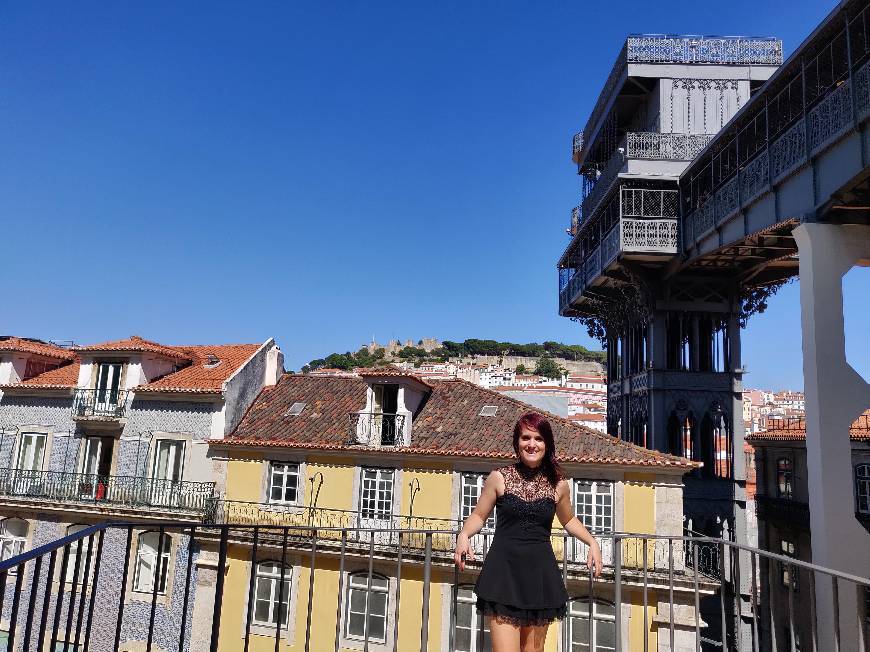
(520, 581)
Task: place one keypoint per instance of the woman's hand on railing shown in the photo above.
(464, 552)
(593, 559)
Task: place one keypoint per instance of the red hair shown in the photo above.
(538, 423)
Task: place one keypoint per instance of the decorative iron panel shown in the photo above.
(604, 183)
(576, 218)
(610, 247)
(670, 147)
(577, 145)
(592, 266)
(639, 202)
(703, 218)
(754, 178)
(789, 151)
(657, 236)
(830, 118)
(861, 79)
(727, 199)
(700, 49)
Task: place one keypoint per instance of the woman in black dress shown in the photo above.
(520, 586)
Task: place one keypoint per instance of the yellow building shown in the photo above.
(405, 459)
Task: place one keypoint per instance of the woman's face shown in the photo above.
(532, 447)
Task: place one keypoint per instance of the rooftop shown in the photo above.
(35, 347)
(448, 423)
(794, 429)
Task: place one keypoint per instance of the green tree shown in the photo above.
(521, 369)
(547, 367)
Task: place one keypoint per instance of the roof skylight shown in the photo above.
(488, 411)
(295, 410)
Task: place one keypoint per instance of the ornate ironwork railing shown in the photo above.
(577, 145)
(105, 404)
(667, 48)
(665, 147)
(604, 183)
(654, 236)
(572, 288)
(374, 428)
(641, 202)
(96, 489)
(576, 218)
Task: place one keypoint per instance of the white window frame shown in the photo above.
(382, 484)
(285, 470)
(600, 496)
(470, 488)
(25, 436)
(862, 488)
(149, 554)
(73, 553)
(12, 544)
(273, 577)
(578, 616)
(466, 598)
(358, 581)
(786, 493)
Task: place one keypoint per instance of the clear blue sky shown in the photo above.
(318, 172)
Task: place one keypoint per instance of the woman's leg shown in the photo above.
(505, 637)
(532, 638)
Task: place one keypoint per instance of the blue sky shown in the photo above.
(318, 172)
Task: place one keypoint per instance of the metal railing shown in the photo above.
(105, 404)
(97, 489)
(665, 147)
(118, 597)
(667, 48)
(377, 427)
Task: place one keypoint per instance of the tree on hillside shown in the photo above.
(521, 369)
(548, 367)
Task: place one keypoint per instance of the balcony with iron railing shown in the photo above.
(99, 405)
(377, 428)
(647, 225)
(107, 492)
(658, 580)
(786, 511)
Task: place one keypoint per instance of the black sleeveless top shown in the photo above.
(520, 581)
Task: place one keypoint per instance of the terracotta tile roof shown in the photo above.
(447, 424)
(391, 372)
(65, 377)
(794, 429)
(201, 376)
(21, 345)
(136, 344)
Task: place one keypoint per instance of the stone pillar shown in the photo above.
(835, 395)
(203, 606)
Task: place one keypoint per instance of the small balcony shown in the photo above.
(99, 405)
(646, 227)
(108, 491)
(377, 428)
(783, 510)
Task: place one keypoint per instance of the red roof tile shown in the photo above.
(136, 344)
(201, 376)
(449, 423)
(64, 377)
(35, 347)
(794, 429)
(390, 372)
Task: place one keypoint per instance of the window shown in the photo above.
(376, 497)
(862, 487)
(786, 571)
(74, 551)
(360, 600)
(272, 596)
(472, 485)
(146, 561)
(283, 483)
(295, 410)
(783, 478)
(488, 410)
(593, 504)
(31, 450)
(467, 628)
(603, 626)
(13, 537)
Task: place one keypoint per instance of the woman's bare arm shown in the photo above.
(492, 489)
(572, 525)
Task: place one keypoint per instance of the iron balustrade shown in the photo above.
(372, 428)
(822, 94)
(108, 490)
(603, 183)
(93, 608)
(104, 404)
(738, 50)
(665, 147)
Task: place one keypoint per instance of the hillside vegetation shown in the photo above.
(448, 349)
